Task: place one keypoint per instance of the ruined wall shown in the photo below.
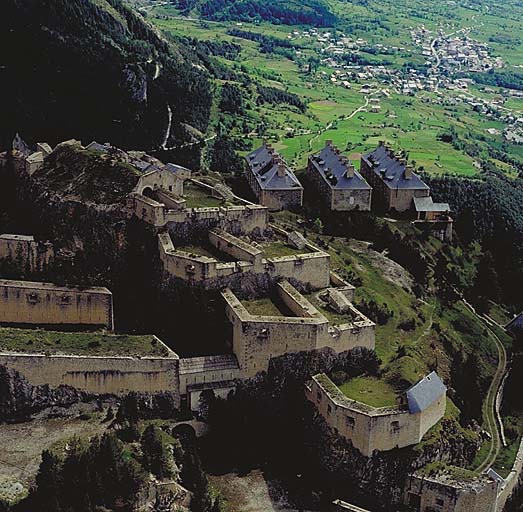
(368, 428)
(98, 374)
(429, 494)
(23, 302)
(25, 252)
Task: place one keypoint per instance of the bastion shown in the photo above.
(373, 429)
(92, 362)
(263, 329)
(228, 256)
(36, 303)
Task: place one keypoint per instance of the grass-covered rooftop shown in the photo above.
(80, 343)
(371, 391)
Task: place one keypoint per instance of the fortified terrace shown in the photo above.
(209, 238)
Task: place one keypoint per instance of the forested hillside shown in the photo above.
(490, 210)
(93, 69)
(290, 12)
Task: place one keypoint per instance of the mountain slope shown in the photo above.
(94, 69)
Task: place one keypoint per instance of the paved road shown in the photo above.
(490, 412)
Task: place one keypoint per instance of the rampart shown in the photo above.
(99, 374)
(25, 252)
(309, 269)
(34, 303)
(189, 221)
(368, 428)
(446, 494)
(257, 339)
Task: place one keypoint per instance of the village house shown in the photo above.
(340, 186)
(272, 181)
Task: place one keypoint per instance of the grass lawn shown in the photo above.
(371, 391)
(79, 343)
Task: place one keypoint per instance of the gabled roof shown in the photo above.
(327, 161)
(423, 394)
(426, 204)
(391, 170)
(265, 170)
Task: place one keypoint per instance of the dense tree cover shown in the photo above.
(289, 12)
(267, 43)
(231, 99)
(225, 158)
(94, 70)
(95, 476)
(489, 210)
(224, 49)
(507, 79)
(277, 96)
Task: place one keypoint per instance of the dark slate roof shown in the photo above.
(328, 160)
(265, 170)
(516, 324)
(426, 204)
(425, 393)
(391, 171)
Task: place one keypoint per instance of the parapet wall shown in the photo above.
(309, 270)
(99, 374)
(370, 428)
(186, 222)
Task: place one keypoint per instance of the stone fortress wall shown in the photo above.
(102, 375)
(257, 339)
(234, 219)
(368, 428)
(26, 252)
(310, 268)
(445, 494)
(25, 302)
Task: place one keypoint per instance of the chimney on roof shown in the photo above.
(408, 171)
(350, 171)
(382, 143)
(281, 169)
(328, 142)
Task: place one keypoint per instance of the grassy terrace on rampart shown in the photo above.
(197, 197)
(79, 343)
(371, 391)
(265, 307)
(332, 316)
(279, 248)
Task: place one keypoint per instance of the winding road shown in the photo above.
(491, 405)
